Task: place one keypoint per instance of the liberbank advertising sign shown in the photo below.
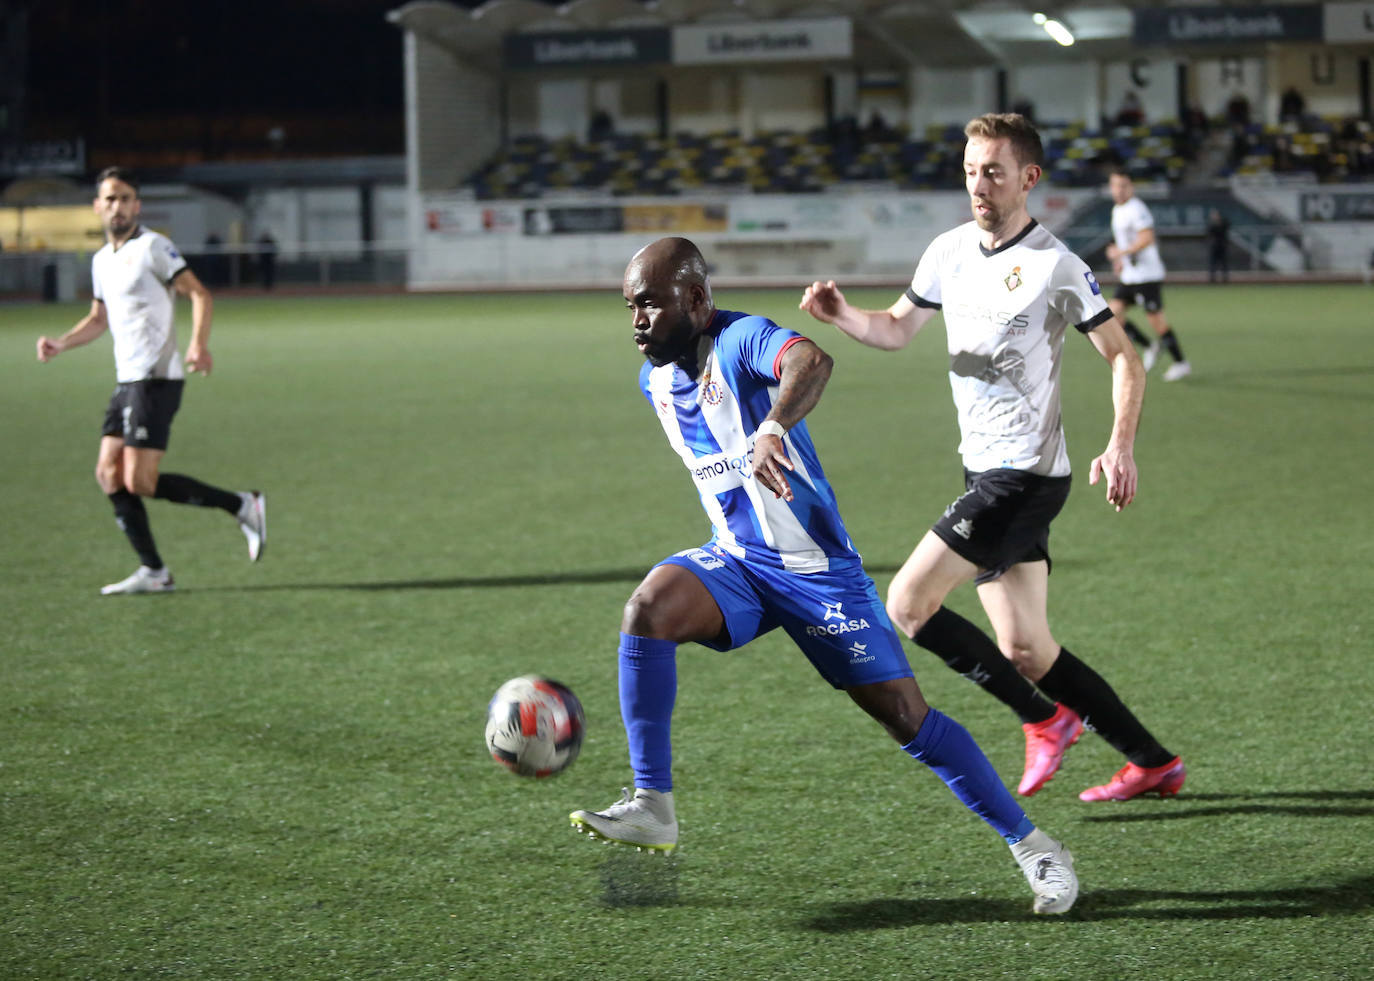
(1226, 25)
(785, 40)
(556, 49)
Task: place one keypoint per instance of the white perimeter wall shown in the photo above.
(856, 237)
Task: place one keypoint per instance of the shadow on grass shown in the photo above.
(1353, 896)
(1222, 805)
(1265, 381)
(592, 576)
(630, 878)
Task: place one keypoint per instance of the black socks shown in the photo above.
(1082, 689)
(132, 518)
(1170, 343)
(1134, 333)
(1167, 341)
(973, 654)
(180, 489)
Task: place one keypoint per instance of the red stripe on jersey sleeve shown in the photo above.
(777, 362)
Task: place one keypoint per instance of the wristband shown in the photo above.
(770, 427)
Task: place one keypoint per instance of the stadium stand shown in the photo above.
(1329, 149)
(791, 162)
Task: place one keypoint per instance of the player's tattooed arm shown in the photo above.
(803, 373)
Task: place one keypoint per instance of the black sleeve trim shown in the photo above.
(183, 269)
(1097, 321)
(920, 301)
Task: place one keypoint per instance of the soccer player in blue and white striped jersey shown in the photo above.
(731, 392)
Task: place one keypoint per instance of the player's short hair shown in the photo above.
(1121, 172)
(116, 173)
(1019, 131)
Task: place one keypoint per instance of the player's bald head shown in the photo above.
(670, 263)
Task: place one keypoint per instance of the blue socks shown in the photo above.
(946, 747)
(648, 688)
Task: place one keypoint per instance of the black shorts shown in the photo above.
(1150, 296)
(142, 412)
(1003, 518)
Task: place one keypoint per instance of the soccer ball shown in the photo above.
(535, 726)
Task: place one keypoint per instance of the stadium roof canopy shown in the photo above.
(888, 34)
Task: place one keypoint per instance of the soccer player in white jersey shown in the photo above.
(731, 392)
(1009, 291)
(134, 277)
(1138, 264)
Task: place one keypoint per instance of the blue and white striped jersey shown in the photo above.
(710, 421)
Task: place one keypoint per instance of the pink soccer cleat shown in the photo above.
(1046, 743)
(1132, 781)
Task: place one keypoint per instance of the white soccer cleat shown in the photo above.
(1048, 868)
(1149, 356)
(144, 580)
(252, 519)
(644, 818)
(1177, 370)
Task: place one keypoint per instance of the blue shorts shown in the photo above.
(835, 617)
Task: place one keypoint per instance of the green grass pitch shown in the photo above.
(278, 772)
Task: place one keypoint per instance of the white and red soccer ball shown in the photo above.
(535, 726)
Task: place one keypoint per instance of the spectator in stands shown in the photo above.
(1192, 132)
(1292, 105)
(601, 127)
(877, 130)
(1240, 145)
(1130, 113)
(1283, 155)
(844, 136)
(1238, 110)
(1218, 245)
(1361, 157)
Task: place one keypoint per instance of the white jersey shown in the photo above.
(135, 284)
(1128, 220)
(1005, 316)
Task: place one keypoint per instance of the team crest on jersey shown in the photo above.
(1092, 283)
(711, 392)
(1014, 280)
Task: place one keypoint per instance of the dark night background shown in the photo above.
(157, 83)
